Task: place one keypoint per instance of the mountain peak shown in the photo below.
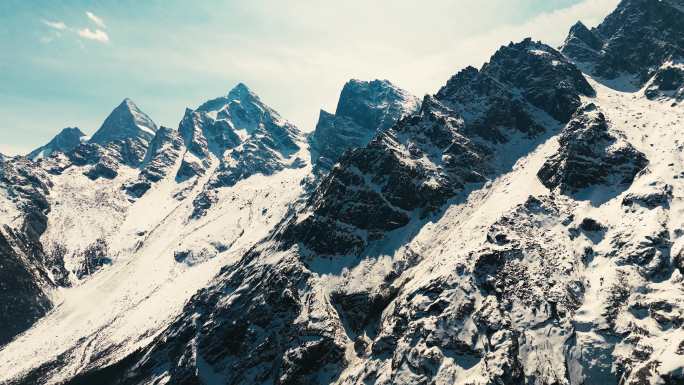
(374, 95)
(241, 91)
(67, 139)
(618, 45)
(129, 104)
(581, 41)
(370, 84)
(539, 73)
(124, 122)
(364, 108)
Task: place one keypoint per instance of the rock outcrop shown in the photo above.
(363, 110)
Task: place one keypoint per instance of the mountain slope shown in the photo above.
(318, 313)
(126, 121)
(27, 273)
(641, 40)
(67, 139)
(132, 251)
(450, 145)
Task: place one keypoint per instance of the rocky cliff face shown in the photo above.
(237, 136)
(414, 168)
(590, 155)
(164, 150)
(637, 39)
(363, 110)
(27, 271)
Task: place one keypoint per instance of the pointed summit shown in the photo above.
(243, 134)
(581, 32)
(67, 139)
(241, 91)
(636, 39)
(582, 44)
(126, 121)
(364, 108)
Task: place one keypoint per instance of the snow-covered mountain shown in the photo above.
(363, 109)
(522, 226)
(126, 121)
(236, 136)
(640, 42)
(79, 219)
(27, 273)
(67, 139)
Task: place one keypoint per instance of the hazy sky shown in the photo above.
(69, 63)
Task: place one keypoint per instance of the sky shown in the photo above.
(69, 63)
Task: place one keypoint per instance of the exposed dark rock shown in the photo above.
(23, 299)
(637, 38)
(359, 310)
(591, 225)
(363, 110)
(375, 188)
(26, 272)
(164, 149)
(415, 167)
(254, 338)
(95, 257)
(190, 169)
(660, 195)
(492, 111)
(202, 202)
(590, 155)
(544, 76)
(668, 81)
(106, 160)
(582, 44)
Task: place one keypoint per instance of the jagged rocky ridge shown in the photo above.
(363, 109)
(164, 150)
(643, 38)
(282, 330)
(122, 140)
(589, 155)
(240, 136)
(132, 155)
(415, 167)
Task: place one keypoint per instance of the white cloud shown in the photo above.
(86, 33)
(96, 19)
(97, 35)
(59, 25)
